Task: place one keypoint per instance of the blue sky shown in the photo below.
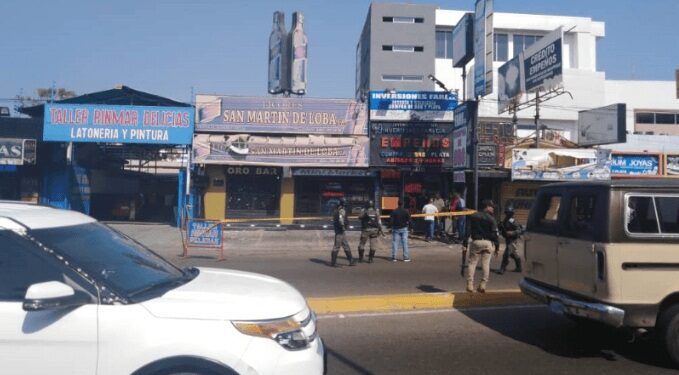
(170, 47)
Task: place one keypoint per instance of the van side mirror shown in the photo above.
(53, 295)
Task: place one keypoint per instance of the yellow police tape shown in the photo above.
(325, 218)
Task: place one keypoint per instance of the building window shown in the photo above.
(401, 77)
(444, 44)
(403, 48)
(521, 42)
(501, 50)
(659, 118)
(403, 19)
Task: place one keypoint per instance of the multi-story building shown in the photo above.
(402, 44)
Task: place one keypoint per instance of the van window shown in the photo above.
(640, 215)
(546, 213)
(580, 217)
(668, 213)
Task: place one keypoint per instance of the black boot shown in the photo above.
(371, 255)
(333, 259)
(503, 268)
(360, 255)
(352, 261)
(518, 268)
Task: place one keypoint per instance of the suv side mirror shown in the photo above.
(53, 295)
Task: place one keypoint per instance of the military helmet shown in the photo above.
(342, 202)
(509, 209)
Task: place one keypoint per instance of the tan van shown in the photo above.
(609, 252)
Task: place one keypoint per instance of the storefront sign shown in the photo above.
(256, 171)
(483, 48)
(462, 135)
(487, 155)
(311, 151)
(672, 165)
(17, 151)
(118, 124)
(560, 164)
(542, 63)
(602, 126)
(326, 172)
(463, 41)
(411, 144)
(508, 84)
(635, 164)
(231, 114)
(412, 105)
(205, 233)
(459, 177)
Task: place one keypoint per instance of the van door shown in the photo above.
(541, 241)
(584, 221)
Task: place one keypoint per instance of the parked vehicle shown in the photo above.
(608, 252)
(77, 297)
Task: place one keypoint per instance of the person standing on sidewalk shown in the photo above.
(340, 222)
(400, 221)
(371, 228)
(511, 230)
(429, 209)
(483, 234)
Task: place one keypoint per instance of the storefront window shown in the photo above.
(318, 196)
(253, 192)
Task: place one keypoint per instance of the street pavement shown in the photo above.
(301, 257)
(493, 340)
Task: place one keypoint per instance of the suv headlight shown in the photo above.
(293, 333)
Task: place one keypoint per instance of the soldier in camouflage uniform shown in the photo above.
(341, 223)
(511, 230)
(371, 228)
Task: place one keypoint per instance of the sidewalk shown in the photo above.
(301, 257)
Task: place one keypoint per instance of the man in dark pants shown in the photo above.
(511, 230)
(340, 222)
(371, 228)
(483, 234)
(400, 221)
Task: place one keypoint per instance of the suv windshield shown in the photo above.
(113, 259)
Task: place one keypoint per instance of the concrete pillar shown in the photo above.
(287, 199)
(215, 195)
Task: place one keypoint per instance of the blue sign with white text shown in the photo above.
(412, 105)
(118, 124)
(644, 165)
(205, 233)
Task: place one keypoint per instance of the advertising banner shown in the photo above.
(638, 165)
(204, 233)
(672, 165)
(282, 151)
(15, 151)
(560, 164)
(118, 124)
(603, 125)
(411, 144)
(542, 63)
(483, 48)
(328, 172)
(233, 114)
(463, 41)
(508, 84)
(412, 105)
(465, 115)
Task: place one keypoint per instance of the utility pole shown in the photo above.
(475, 155)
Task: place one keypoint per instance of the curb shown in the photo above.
(416, 301)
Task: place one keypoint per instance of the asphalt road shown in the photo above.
(301, 257)
(502, 340)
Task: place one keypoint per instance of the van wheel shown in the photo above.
(668, 327)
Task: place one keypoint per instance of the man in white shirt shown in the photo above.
(429, 209)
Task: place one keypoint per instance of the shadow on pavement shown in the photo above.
(348, 362)
(562, 337)
(430, 289)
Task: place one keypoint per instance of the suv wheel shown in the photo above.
(669, 331)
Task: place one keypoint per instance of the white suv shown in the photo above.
(77, 297)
